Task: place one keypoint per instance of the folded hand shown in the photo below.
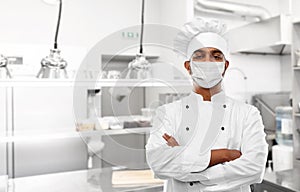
(171, 141)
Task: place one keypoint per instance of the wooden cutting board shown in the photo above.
(134, 177)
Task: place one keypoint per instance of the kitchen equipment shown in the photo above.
(116, 124)
(110, 122)
(269, 167)
(134, 178)
(43, 119)
(85, 125)
(4, 72)
(140, 67)
(54, 66)
(93, 103)
(269, 36)
(115, 104)
(103, 124)
(282, 157)
(266, 104)
(284, 128)
(113, 74)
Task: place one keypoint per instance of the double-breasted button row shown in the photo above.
(187, 107)
(223, 128)
(187, 128)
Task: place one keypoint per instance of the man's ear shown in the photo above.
(187, 66)
(226, 66)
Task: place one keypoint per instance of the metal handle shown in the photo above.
(269, 109)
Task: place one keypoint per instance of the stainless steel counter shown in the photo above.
(94, 180)
(288, 180)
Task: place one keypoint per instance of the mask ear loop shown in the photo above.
(223, 68)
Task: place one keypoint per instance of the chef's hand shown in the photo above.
(233, 154)
(223, 155)
(171, 141)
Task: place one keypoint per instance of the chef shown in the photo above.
(207, 141)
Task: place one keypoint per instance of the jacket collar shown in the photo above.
(219, 97)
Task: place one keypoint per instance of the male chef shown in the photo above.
(207, 141)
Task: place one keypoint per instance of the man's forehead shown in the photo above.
(208, 49)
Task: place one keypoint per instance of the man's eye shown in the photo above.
(198, 57)
(218, 57)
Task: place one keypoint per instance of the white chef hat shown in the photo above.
(201, 33)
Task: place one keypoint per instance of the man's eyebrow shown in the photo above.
(216, 51)
(199, 51)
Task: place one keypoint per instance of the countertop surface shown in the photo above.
(288, 179)
(92, 180)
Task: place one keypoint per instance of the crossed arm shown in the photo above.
(217, 155)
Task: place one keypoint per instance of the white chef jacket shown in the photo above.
(220, 123)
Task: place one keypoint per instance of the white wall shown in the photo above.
(295, 8)
(83, 21)
(28, 27)
(176, 12)
(262, 72)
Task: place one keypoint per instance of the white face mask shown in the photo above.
(207, 74)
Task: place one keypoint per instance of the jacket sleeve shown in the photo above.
(247, 169)
(171, 162)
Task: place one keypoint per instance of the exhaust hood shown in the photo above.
(270, 36)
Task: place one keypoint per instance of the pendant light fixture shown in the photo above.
(54, 66)
(140, 67)
(4, 72)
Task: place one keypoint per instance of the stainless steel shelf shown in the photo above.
(126, 56)
(42, 136)
(94, 84)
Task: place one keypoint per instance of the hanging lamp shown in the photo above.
(4, 72)
(140, 67)
(53, 65)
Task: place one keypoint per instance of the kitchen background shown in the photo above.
(40, 132)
